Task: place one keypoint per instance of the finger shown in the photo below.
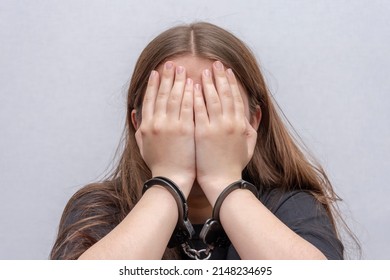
(164, 89)
(211, 97)
(238, 102)
(223, 89)
(200, 109)
(150, 96)
(176, 94)
(187, 104)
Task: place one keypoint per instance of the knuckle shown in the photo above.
(238, 99)
(230, 127)
(147, 98)
(243, 129)
(187, 104)
(174, 97)
(240, 125)
(156, 128)
(143, 129)
(226, 93)
(162, 94)
(199, 107)
(214, 100)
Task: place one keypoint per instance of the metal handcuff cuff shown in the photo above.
(212, 233)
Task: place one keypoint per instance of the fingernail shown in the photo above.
(168, 65)
(197, 87)
(179, 69)
(189, 81)
(230, 72)
(207, 73)
(218, 65)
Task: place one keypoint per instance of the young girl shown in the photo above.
(208, 170)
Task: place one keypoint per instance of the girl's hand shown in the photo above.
(166, 134)
(224, 139)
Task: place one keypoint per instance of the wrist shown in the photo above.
(214, 186)
(184, 229)
(240, 187)
(184, 183)
(158, 195)
(213, 227)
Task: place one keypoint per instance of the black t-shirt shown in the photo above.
(299, 210)
(302, 213)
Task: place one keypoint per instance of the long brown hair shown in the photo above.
(279, 160)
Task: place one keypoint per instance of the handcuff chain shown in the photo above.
(197, 254)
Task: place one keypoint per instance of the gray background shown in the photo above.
(65, 66)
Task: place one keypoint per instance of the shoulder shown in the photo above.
(93, 200)
(307, 217)
(90, 214)
(292, 203)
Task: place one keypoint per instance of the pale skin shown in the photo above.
(197, 130)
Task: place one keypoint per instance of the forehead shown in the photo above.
(194, 66)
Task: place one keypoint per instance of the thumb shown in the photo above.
(251, 138)
(138, 139)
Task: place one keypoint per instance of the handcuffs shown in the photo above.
(212, 233)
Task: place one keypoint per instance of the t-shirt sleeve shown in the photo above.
(303, 214)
